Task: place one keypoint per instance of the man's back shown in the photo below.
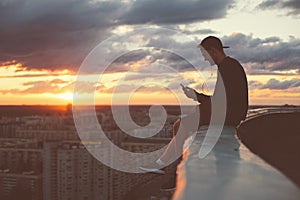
(236, 87)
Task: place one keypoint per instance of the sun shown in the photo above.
(66, 96)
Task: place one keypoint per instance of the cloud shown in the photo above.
(37, 87)
(32, 75)
(269, 4)
(56, 86)
(52, 34)
(274, 84)
(254, 85)
(200, 32)
(58, 34)
(174, 11)
(84, 87)
(267, 55)
(293, 6)
(162, 61)
(132, 88)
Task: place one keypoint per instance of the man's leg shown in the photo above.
(174, 149)
(182, 129)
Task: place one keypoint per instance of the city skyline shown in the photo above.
(42, 157)
(43, 44)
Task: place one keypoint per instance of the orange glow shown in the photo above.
(18, 86)
(66, 96)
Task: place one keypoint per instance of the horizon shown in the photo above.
(107, 105)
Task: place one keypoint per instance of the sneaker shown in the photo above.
(168, 186)
(152, 170)
(172, 189)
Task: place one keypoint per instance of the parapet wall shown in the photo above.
(230, 171)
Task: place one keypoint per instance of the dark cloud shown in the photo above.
(58, 34)
(150, 59)
(175, 11)
(269, 4)
(132, 57)
(293, 6)
(172, 60)
(201, 32)
(68, 15)
(53, 34)
(267, 55)
(182, 56)
(254, 84)
(274, 84)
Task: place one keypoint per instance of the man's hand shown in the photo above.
(190, 93)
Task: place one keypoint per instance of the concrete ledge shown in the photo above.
(230, 171)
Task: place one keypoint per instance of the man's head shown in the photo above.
(212, 49)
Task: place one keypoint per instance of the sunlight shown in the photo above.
(66, 96)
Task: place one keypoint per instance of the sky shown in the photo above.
(45, 44)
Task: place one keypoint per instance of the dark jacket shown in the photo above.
(236, 88)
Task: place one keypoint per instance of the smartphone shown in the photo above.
(182, 86)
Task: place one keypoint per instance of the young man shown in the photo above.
(232, 77)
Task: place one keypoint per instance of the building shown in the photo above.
(20, 169)
(7, 127)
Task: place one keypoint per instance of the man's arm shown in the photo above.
(202, 97)
(193, 94)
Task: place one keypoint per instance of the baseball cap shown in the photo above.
(212, 41)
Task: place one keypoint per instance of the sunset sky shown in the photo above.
(43, 43)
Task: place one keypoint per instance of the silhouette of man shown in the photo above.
(236, 88)
(232, 74)
(234, 80)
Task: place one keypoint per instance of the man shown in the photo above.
(234, 79)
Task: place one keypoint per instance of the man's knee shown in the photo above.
(176, 124)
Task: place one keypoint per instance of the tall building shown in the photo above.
(70, 172)
(74, 172)
(7, 127)
(20, 169)
(50, 170)
(46, 128)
